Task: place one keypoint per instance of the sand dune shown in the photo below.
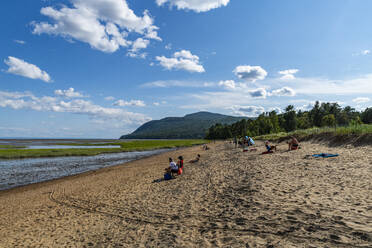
(228, 199)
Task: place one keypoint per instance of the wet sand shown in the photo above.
(228, 199)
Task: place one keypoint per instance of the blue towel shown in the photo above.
(324, 155)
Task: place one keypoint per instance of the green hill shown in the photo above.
(192, 126)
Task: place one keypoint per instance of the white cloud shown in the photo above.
(177, 83)
(69, 93)
(26, 100)
(123, 103)
(195, 5)
(22, 68)
(22, 42)
(250, 73)
(324, 86)
(182, 60)
(228, 84)
(362, 53)
(139, 44)
(103, 24)
(288, 74)
(156, 103)
(109, 98)
(258, 93)
(168, 46)
(285, 91)
(361, 100)
(248, 111)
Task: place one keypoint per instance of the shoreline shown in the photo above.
(229, 198)
(86, 173)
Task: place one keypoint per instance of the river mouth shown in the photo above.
(20, 172)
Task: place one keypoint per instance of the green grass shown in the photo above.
(10, 147)
(303, 133)
(125, 147)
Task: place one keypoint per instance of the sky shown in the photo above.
(101, 68)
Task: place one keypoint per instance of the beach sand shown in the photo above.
(229, 198)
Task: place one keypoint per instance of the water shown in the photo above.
(18, 172)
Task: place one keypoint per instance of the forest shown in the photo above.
(321, 115)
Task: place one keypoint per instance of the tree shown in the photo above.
(367, 116)
(290, 120)
(329, 120)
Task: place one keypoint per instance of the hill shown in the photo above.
(192, 126)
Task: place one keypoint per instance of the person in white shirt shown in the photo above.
(173, 168)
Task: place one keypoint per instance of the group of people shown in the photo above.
(177, 168)
(293, 144)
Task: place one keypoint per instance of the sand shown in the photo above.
(229, 198)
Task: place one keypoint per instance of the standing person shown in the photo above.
(293, 144)
(235, 141)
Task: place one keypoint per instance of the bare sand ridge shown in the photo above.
(228, 199)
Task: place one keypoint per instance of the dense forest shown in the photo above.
(321, 115)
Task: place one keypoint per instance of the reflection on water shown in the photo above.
(19, 172)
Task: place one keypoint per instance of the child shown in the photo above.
(268, 147)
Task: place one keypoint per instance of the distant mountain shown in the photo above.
(192, 126)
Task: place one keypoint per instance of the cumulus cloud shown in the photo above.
(69, 93)
(258, 93)
(250, 73)
(26, 100)
(361, 100)
(122, 103)
(103, 24)
(248, 111)
(285, 91)
(195, 5)
(182, 60)
(22, 68)
(288, 74)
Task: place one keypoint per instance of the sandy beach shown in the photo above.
(229, 198)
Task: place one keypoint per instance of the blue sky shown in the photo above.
(101, 68)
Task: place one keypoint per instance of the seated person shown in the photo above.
(195, 160)
(180, 162)
(293, 144)
(270, 148)
(173, 168)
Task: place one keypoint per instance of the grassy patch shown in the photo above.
(125, 147)
(11, 147)
(302, 134)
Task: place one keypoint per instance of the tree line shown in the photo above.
(321, 115)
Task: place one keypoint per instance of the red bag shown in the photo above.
(179, 171)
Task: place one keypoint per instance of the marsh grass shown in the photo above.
(336, 131)
(125, 147)
(10, 147)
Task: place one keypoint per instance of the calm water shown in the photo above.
(18, 172)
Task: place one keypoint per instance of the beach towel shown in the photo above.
(324, 155)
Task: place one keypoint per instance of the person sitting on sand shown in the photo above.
(195, 160)
(293, 144)
(270, 148)
(173, 168)
(180, 162)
